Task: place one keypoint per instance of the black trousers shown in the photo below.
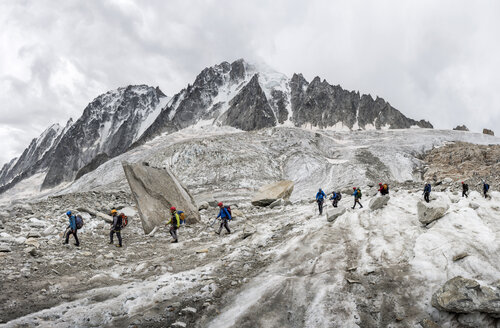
(464, 193)
(335, 202)
(426, 196)
(356, 201)
(74, 233)
(320, 206)
(118, 234)
(223, 223)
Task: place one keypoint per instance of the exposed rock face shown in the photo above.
(155, 191)
(271, 192)
(334, 213)
(461, 295)
(461, 128)
(489, 132)
(428, 212)
(377, 203)
(464, 161)
(323, 105)
(250, 109)
(108, 126)
(35, 158)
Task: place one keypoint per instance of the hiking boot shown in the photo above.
(174, 241)
(77, 245)
(118, 245)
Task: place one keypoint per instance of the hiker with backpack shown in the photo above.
(174, 224)
(486, 187)
(465, 190)
(427, 192)
(116, 227)
(336, 196)
(357, 196)
(73, 228)
(225, 216)
(320, 198)
(384, 189)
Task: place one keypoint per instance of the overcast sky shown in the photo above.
(436, 60)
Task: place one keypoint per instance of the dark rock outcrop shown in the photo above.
(489, 132)
(323, 105)
(250, 109)
(461, 128)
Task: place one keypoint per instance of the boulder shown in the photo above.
(271, 192)
(277, 203)
(473, 205)
(428, 212)
(236, 213)
(334, 213)
(156, 190)
(203, 206)
(33, 234)
(461, 128)
(5, 249)
(248, 230)
(461, 295)
(379, 202)
(447, 180)
(489, 132)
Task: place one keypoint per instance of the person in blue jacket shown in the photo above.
(225, 216)
(320, 198)
(73, 229)
(427, 192)
(335, 197)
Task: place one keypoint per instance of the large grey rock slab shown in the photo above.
(377, 203)
(461, 295)
(155, 191)
(273, 191)
(428, 212)
(334, 213)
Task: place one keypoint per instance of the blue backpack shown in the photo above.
(486, 187)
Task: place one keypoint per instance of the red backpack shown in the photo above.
(228, 208)
(124, 220)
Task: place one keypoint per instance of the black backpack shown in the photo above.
(339, 196)
(79, 221)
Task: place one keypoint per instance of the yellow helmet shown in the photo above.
(113, 211)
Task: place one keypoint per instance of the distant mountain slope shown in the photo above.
(238, 94)
(252, 97)
(108, 126)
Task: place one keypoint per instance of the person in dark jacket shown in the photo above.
(116, 227)
(335, 197)
(175, 223)
(73, 229)
(357, 197)
(320, 198)
(427, 192)
(383, 189)
(225, 216)
(465, 190)
(486, 187)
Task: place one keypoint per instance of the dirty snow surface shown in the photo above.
(281, 267)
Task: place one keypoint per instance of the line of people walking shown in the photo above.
(384, 190)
